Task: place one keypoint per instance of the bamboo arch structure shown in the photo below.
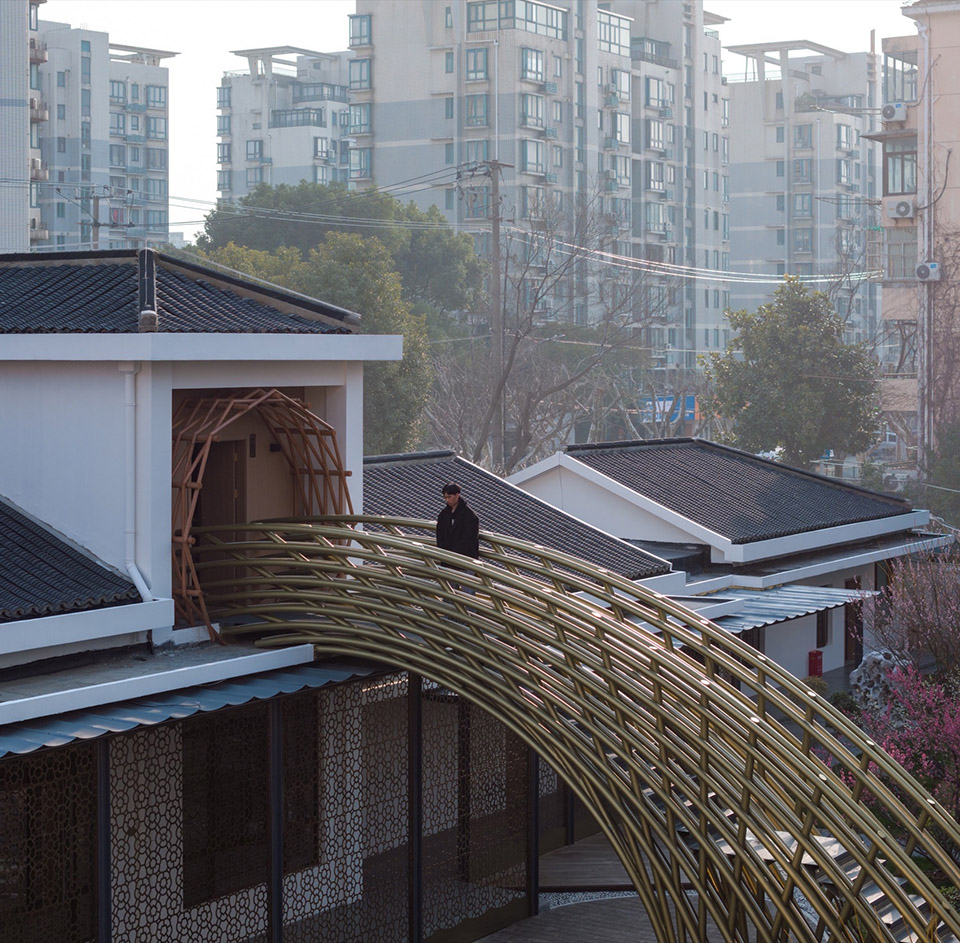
(307, 442)
(725, 786)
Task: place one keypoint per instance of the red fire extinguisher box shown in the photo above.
(815, 663)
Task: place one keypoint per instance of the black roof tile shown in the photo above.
(43, 575)
(98, 292)
(409, 486)
(738, 495)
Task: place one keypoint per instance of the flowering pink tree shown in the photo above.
(917, 615)
(920, 729)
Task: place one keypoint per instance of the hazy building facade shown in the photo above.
(804, 180)
(283, 120)
(85, 137)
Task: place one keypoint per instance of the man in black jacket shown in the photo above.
(458, 528)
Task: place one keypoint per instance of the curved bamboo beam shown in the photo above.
(706, 765)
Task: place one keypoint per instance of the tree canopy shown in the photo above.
(789, 381)
(438, 267)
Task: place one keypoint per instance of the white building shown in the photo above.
(283, 120)
(86, 132)
(805, 182)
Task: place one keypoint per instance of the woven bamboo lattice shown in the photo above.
(726, 787)
(307, 442)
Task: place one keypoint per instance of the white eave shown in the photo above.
(183, 347)
(724, 550)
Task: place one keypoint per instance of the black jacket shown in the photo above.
(459, 530)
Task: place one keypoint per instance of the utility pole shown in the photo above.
(96, 222)
(494, 167)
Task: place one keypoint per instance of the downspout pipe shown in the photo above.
(130, 371)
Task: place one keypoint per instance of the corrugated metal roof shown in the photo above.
(768, 606)
(175, 705)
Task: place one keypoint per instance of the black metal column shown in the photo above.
(533, 832)
(275, 819)
(414, 804)
(464, 777)
(104, 882)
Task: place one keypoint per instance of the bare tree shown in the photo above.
(574, 312)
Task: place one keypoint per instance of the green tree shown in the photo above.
(438, 267)
(940, 489)
(789, 381)
(357, 273)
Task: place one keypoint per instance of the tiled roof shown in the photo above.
(740, 496)
(98, 292)
(43, 575)
(409, 486)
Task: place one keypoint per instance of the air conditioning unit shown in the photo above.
(36, 163)
(901, 209)
(34, 104)
(928, 272)
(894, 111)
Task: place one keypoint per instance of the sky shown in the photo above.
(203, 32)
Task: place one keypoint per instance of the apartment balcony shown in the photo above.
(39, 110)
(37, 170)
(38, 51)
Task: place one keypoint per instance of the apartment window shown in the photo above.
(725, 150)
(118, 154)
(448, 17)
(846, 139)
(476, 108)
(531, 111)
(224, 153)
(85, 70)
(223, 96)
(118, 123)
(61, 79)
(223, 180)
(476, 151)
(62, 146)
(157, 128)
(613, 33)
(654, 92)
(118, 91)
(900, 165)
(476, 64)
(531, 202)
(781, 237)
(557, 156)
(621, 127)
(654, 175)
(448, 153)
(900, 77)
(321, 148)
(715, 180)
(557, 107)
(803, 204)
(85, 136)
(61, 210)
(580, 99)
(155, 187)
(900, 252)
(531, 64)
(359, 73)
(134, 92)
(448, 198)
(557, 67)
(802, 170)
(477, 203)
(34, 16)
(448, 107)
(778, 103)
(360, 30)
(655, 134)
(448, 63)
(254, 176)
(156, 96)
(254, 149)
(360, 118)
(844, 170)
(223, 124)
(581, 150)
(725, 112)
(803, 240)
(133, 155)
(321, 174)
(360, 162)
(532, 156)
(156, 219)
(85, 102)
(725, 225)
(803, 135)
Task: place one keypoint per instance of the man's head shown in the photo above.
(451, 494)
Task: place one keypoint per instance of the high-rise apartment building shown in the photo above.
(623, 105)
(85, 137)
(283, 120)
(804, 183)
(921, 227)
